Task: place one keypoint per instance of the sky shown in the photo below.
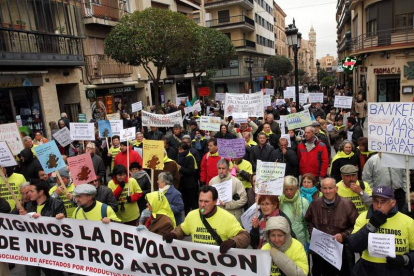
(320, 14)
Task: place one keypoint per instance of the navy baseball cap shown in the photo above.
(383, 191)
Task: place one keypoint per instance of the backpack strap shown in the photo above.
(361, 184)
(76, 212)
(104, 210)
(213, 233)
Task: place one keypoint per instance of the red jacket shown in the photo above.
(315, 161)
(121, 158)
(208, 168)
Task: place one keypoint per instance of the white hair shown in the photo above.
(63, 115)
(290, 181)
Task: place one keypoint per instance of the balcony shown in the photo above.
(244, 44)
(108, 12)
(383, 40)
(345, 43)
(239, 21)
(102, 66)
(214, 4)
(25, 48)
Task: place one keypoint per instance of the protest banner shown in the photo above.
(343, 102)
(82, 131)
(247, 217)
(6, 156)
(49, 157)
(188, 109)
(282, 124)
(220, 97)
(209, 123)
(105, 129)
(267, 101)
(179, 99)
(113, 116)
(316, 97)
(160, 120)
(240, 117)
(94, 248)
(81, 169)
(269, 91)
(250, 103)
(204, 91)
(10, 134)
(127, 134)
(136, 106)
(381, 245)
(116, 126)
(327, 247)
(62, 137)
(298, 120)
(269, 178)
(197, 106)
(224, 190)
(231, 148)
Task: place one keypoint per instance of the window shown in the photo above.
(356, 26)
(228, 35)
(372, 28)
(403, 21)
(223, 16)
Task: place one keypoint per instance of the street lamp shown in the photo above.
(318, 66)
(250, 61)
(294, 40)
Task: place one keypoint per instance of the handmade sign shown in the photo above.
(116, 127)
(267, 101)
(343, 102)
(246, 218)
(62, 137)
(269, 178)
(345, 118)
(280, 102)
(269, 91)
(381, 245)
(289, 93)
(390, 128)
(197, 106)
(298, 120)
(240, 117)
(316, 97)
(127, 134)
(282, 124)
(136, 106)
(179, 99)
(160, 120)
(188, 109)
(327, 247)
(113, 116)
(105, 130)
(153, 152)
(224, 190)
(220, 97)
(209, 123)
(10, 134)
(396, 161)
(49, 157)
(250, 103)
(82, 132)
(81, 169)
(231, 148)
(6, 156)
(303, 98)
(287, 137)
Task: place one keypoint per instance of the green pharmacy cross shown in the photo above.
(349, 63)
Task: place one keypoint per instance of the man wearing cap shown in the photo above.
(175, 139)
(383, 217)
(122, 156)
(357, 191)
(89, 208)
(64, 191)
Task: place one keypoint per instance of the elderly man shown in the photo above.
(63, 191)
(313, 155)
(286, 155)
(211, 225)
(97, 161)
(153, 134)
(358, 191)
(383, 217)
(274, 126)
(262, 151)
(335, 216)
(175, 139)
(239, 196)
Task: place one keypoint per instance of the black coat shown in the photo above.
(4, 206)
(52, 207)
(105, 195)
(175, 141)
(220, 135)
(275, 112)
(357, 133)
(153, 135)
(187, 172)
(290, 159)
(31, 166)
(260, 153)
(338, 163)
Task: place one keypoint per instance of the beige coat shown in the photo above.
(360, 109)
(235, 207)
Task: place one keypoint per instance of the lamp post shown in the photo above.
(318, 66)
(249, 61)
(294, 40)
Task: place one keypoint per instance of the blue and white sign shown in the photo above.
(49, 157)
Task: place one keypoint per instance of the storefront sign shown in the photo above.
(387, 71)
(158, 120)
(349, 63)
(7, 81)
(203, 91)
(169, 81)
(82, 118)
(116, 90)
(409, 70)
(10, 134)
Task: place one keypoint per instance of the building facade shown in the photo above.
(328, 63)
(383, 45)
(343, 20)
(281, 46)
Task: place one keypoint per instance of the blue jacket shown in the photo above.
(176, 203)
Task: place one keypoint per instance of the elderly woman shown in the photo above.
(165, 185)
(308, 188)
(295, 207)
(288, 255)
(345, 156)
(162, 219)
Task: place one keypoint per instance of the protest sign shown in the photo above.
(381, 245)
(345, 119)
(113, 116)
(136, 106)
(316, 97)
(267, 101)
(231, 148)
(390, 128)
(209, 123)
(116, 127)
(204, 91)
(82, 131)
(396, 161)
(246, 218)
(269, 91)
(105, 130)
(327, 247)
(81, 169)
(303, 98)
(6, 156)
(188, 109)
(240, 117)
(139, 150)
(62, 137)
(298, 120)
(197, 106)
(250, 103)
(343, 102)
(224, 190)
(280, 101)
(269, 178)
(179, 99)
(220, 97)
(127, 134)
(153, 152)
(49, 157)
(10, 134)
(282, 124)
(289, 93)
(160, 120)
(94, 248)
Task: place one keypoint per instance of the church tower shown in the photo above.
(312, 48)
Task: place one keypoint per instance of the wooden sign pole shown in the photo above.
(407, 175)
(152, 180)
(61, 182)
(128, 165)
(6, 181)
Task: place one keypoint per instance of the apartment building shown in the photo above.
(328, 63)
(343, 20)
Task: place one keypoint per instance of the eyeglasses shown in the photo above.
(265, 204)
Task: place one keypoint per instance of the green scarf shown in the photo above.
(340, 155)
(294, 201)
